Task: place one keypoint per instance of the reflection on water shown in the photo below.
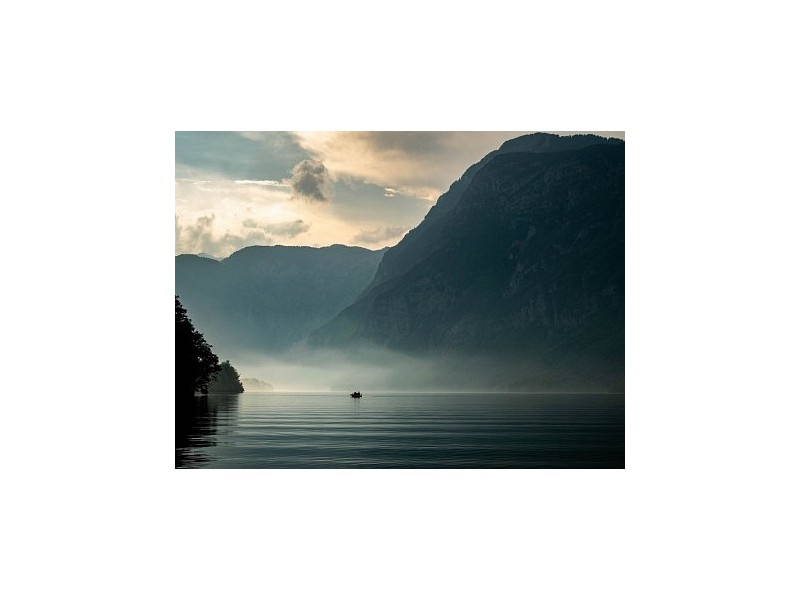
(264, 430)
(196, 427)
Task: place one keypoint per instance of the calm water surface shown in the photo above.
(301, 431)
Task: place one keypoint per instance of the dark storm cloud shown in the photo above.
(311, 181)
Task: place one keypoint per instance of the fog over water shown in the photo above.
(374, 368)
(332, 370)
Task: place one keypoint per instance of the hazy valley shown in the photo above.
(513, 281)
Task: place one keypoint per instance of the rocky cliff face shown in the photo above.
(522, 261)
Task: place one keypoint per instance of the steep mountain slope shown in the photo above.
(267, 298)
(521, 261)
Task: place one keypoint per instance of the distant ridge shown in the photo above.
(267, 298)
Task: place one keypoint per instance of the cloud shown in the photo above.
(311, 181)
(238, 189)
(222, 216)
(267, 182)
(204, 235)
(200, 238)
(194, 238)
(287, 229)
(231, 155)
(231, 242)
(378, 235)
(422, 164)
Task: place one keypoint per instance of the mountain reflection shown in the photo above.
(197, 427)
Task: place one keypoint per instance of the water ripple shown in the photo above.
(402, 431)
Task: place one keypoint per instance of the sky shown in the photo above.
(239, 189)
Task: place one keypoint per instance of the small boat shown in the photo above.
(355, 395)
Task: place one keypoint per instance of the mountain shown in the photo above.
(267, 298)
(520, 262)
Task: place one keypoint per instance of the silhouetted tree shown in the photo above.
(226, 381)
(195, 363)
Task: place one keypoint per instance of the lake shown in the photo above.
(401, 430)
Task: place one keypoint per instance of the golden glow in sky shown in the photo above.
(238, 189)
